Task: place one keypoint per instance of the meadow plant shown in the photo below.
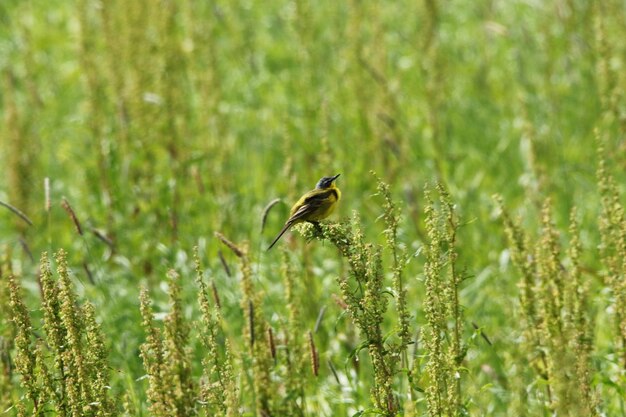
(258, 357)
(391, 215)
(167, 357)
(67, 372)
(21, 144)
(365, 297)
(557, 329)
(25, 360)
(7, 330)
(442, 335)
(295, 352)
(362, 292)
(613, 251)
(218, 390)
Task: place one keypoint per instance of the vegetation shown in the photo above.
(155, 148)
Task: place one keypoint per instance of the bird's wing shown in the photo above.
(320, 195)
(310, 204)
(305, 210)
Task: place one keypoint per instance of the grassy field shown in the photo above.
(475, 265)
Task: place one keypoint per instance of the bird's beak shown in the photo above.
(335, 177)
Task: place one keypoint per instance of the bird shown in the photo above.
(313, 206)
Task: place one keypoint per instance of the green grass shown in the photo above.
(161, 123)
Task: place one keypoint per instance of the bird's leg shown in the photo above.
(316, 225)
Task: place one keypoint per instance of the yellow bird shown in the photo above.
(314, 205)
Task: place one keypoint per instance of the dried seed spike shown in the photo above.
(195, 173)
(88, 272)
(339, 301)
(230, 245)
(17, 212)
(216, 296)
(220, 254)
(26, 249)
(416, 344)
(287, 351)
(251, 322)
(270, 337)
(320, 316)
(100, 235)
(266, 212)
(334, 371)
(66, 206)
(315, 362)
(46, 188)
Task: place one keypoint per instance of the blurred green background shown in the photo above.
(162, 122)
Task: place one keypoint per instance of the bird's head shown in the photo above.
(326, 182)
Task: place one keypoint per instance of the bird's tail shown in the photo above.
(282, 232)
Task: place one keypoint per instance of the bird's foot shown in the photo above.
(315, 224)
